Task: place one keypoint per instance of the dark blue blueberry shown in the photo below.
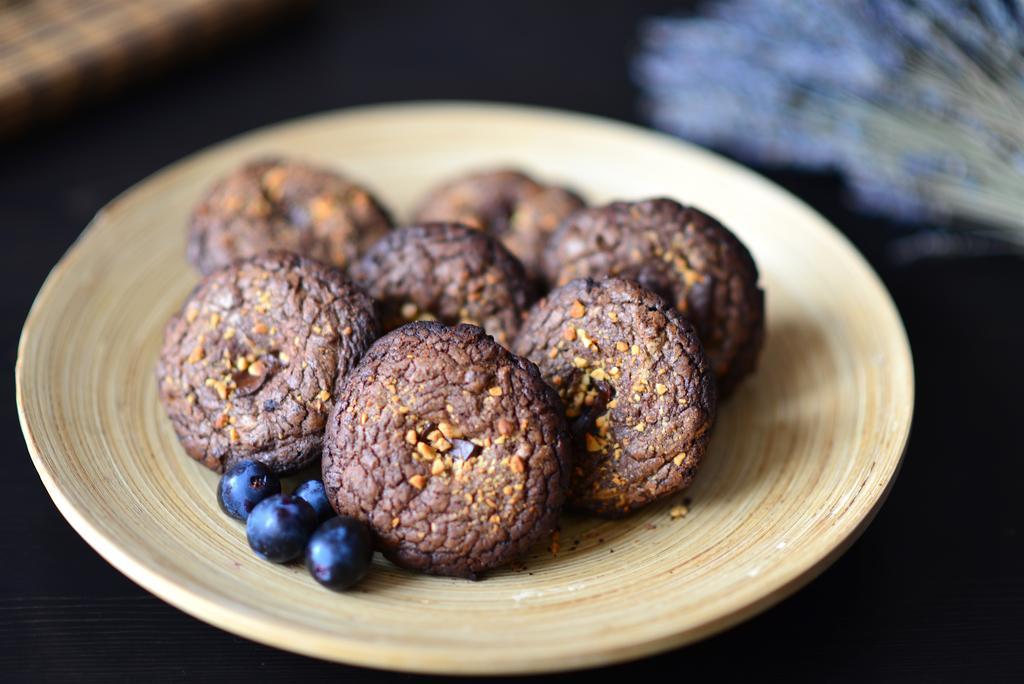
(339, 553)
(279, 527)
(244, 485)
(312, 491)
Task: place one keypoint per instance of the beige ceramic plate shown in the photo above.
(802, 457)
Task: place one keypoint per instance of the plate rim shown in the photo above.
(236, 619)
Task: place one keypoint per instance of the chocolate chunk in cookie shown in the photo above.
(518, 210)
(277, 204)
(250, 363)
(682, 254)
(446, 272)
(453, 450)
(637, 389)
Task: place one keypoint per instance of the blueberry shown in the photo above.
(339, 553)
(244, 485)
(279, 527)
(313, 493)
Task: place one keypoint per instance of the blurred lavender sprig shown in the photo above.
(920, 103)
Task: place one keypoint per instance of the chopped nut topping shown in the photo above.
(283, 357)
(233, 435)
(438, 467)
(411, 438)
(659, 388)
(569, 333)
(395, 522)
(621, 346)
(577, 310)
(494, 391)
(197, 355)
(409, 311)
(584, 338)
(321, 208)
(580, 362)
(517, 465)
(425, 450)
(677, 512)
(418, 481)
(505, 427)
(324, 395)
(680, 457)
(634, 350)
(260, 328)
(448, 430)
(220, 386)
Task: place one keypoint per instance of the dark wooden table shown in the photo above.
(933, 591)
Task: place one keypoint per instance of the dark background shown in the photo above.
(934, 590)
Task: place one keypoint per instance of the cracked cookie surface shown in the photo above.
(250, 363)
(636, 386)
(446, 272)
(451, 448)
(508, 204)
(281, 204)
(682, 254)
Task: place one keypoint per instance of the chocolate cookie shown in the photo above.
(510, 205)
(446, 272)
(249, 365)
(682, 254)
(452, 449)
(276, 204)
(636, 386)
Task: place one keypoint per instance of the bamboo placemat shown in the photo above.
(54, 53)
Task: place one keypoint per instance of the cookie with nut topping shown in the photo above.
(684, 255)
(449, 273)
(510, 205)
(637, 389)
(250, 363)
(281, 204)
(452, 449)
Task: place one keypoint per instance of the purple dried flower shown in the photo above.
(920, 103)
